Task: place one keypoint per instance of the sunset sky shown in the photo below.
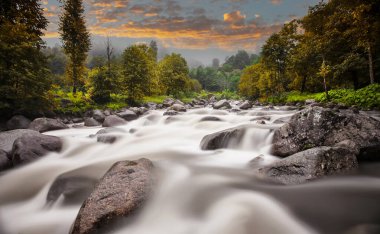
(199, 29)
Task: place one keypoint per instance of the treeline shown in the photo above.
(336, 45)
(218, 77)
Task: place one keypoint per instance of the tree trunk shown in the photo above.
(303, 84)
(74, 80)
(327, 92)
(355, 79)
(370, 61)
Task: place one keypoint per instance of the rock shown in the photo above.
(77, 120)
(73, 189)
(266, 118)
(178, 107)
(245, 105)
(107, 139)
(221, 103)
(47, 124)
(110, 130)
(91, 122)
(257, 162)
(121, 192)
(168, 102)
(18, 122)
(311, 164)
(282, 120)
(128, 115)
(5, 162)
(109, 135)
(309, 101)
(150, 105)
(98, 115)
(139, 110)
(113, 120)
(222, 139)
(317, 126)
(350, 145)
(7, 138)
(210, 118)
(29, 148)
(171, 112)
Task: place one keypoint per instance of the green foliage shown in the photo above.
(174, 75)
(24, 76)
(69, 103)
(227, 94)
(155, 99)
(76, 40)
(101, 84)
(138, 72)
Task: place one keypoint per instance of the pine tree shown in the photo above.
(24, 77)
(75, 38)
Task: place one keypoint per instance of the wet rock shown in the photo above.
(5, 162)
(317, 126)
(128, 115)
(178, 107)
(31, 147)
(91, 122)
(47, 124)
(110, 130)
(98, 115)
(109, 135)
(265, 118)
(73, 189)
(120, 193)
(139, 110)
(210, 118)
(245, 105)
(168, 102)
(311, 164)
(18, 122)
(282, 120)
(77, 120)
(171, 112)
(150, 105)
(222, 103)
(7, 138)
(257, 162)
(107, 139)
(113, 120)
(222, 139)
(310, 101)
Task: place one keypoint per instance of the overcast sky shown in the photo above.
(198, 29)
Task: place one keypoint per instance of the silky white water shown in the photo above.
(199, 192)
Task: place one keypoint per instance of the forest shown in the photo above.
(331, 54)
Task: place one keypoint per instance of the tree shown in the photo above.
(154, 48)
(323, 72)
(138, 70)
(238, 61)
(215, 63)
(75, 38)
(101, 85)
(24, 77)
(174, 74)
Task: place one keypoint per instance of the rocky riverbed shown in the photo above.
(209, 167)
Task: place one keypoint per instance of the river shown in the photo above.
(200, 192)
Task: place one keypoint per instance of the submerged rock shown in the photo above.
(317, 126)
(210, 118)
(109, 135)
(113, 120)
(120, 193)
(223, 138)
(311, 164)
(18, 122)
(47, 124)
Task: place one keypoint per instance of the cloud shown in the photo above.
(276, 2)
(235, 18)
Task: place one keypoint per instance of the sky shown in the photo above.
(198, 29)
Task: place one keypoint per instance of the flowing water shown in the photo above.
(200, 192)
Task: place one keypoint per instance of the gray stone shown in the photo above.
(222, 103)
(178, 107)
(29, 148)
(317, 126)
(168, 102)
(47, 124)
(7, 138)
(121, 193)
(18, 122)
(113, 120)
(210, 118)
(98, 115)
(5, 162)
(91, 122)
(245, 105)
(310, 165)
(223, 138)
(171, 112)
(128, 115)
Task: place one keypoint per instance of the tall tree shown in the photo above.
(75, 38)
(215, 63)
(24, 77)
(154, 48)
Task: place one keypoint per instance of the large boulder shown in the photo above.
(120, 193)
(168, 102)
(222, 139)
(128, 115)
(222, 103)
(178, 107)
(98, 115)
(245, 105)
(113, 120)
(8, 138)
(18, 122)
(29, 148)
(47, 124)
(311, 164)
(317, 126)
(91, 122)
